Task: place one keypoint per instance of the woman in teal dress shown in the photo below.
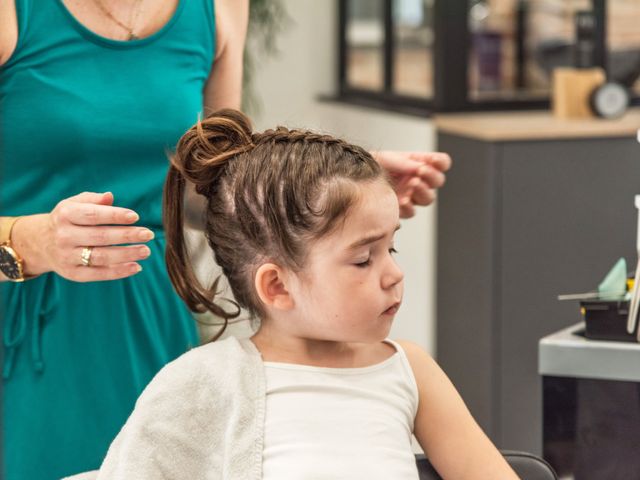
(93, 95)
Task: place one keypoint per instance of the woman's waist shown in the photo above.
(38, 190)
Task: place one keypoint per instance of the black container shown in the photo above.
(607, 320)
(585, 22)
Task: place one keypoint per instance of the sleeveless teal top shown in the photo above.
(80, 112)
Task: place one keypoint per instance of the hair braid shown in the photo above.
(283, 134)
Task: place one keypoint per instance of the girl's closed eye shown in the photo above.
(367, 262)
(364, 263)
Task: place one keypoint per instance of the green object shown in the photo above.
(615, 282)
(79, 112)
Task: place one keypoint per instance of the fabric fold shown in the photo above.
(28, 306)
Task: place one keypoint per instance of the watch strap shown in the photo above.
(6, 225)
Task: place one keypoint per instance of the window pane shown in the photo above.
(517, 43)
(623, 42)
(413, 36)
(365, 40)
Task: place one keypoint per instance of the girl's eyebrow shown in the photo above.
(370, 239)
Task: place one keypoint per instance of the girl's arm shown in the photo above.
(452, 440)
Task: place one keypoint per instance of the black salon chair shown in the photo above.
(527, 466)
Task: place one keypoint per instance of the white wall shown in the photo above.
(289, 86)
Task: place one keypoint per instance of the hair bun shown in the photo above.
(204, 150)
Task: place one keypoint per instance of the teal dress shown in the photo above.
(79, 112)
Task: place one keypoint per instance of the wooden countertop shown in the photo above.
(534, 125)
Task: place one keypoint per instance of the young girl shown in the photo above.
(303, 226)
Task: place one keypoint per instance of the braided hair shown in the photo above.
(269, 195)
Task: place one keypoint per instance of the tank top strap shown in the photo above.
(406, 367)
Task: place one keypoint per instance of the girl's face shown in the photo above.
(351, 286)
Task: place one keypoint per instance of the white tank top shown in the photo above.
(340, 423)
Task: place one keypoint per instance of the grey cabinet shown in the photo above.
(521, 220)
(590, 406)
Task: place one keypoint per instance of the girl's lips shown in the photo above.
(392, 310)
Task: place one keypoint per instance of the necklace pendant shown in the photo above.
(133, 36)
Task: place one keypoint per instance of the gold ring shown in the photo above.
(86, 256)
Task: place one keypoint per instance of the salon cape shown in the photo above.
(201, 418)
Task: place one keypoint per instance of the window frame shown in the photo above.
(450, 79)
(386, 98)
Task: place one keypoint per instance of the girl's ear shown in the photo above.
(271, 285)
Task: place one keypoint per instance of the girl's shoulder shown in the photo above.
(422, 364)
(412, 350)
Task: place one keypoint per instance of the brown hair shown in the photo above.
(268, 196)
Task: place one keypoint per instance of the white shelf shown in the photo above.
(565, 354)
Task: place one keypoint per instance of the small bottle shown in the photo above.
(585, 23)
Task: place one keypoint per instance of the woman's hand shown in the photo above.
(416, 176)
(55, 241)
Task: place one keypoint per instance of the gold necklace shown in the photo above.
(132, 22)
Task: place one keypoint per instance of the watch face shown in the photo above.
(8, 264)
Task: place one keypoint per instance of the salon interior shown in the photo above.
(520, 277)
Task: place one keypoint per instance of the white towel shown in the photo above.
(200, 418)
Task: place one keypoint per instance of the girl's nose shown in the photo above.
(392, 275)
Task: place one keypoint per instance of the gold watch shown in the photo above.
(11, 264)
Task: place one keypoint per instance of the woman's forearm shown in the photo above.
(26, 238)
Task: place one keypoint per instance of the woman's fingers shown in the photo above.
(92, 209)
(433, 177)
(100, 236)
(92, 197)
(423, 195)
(106, 263)
(407, 210)
(442, 161)
(110, 256)
(97, 274)
(439, 160)
(92, 214)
